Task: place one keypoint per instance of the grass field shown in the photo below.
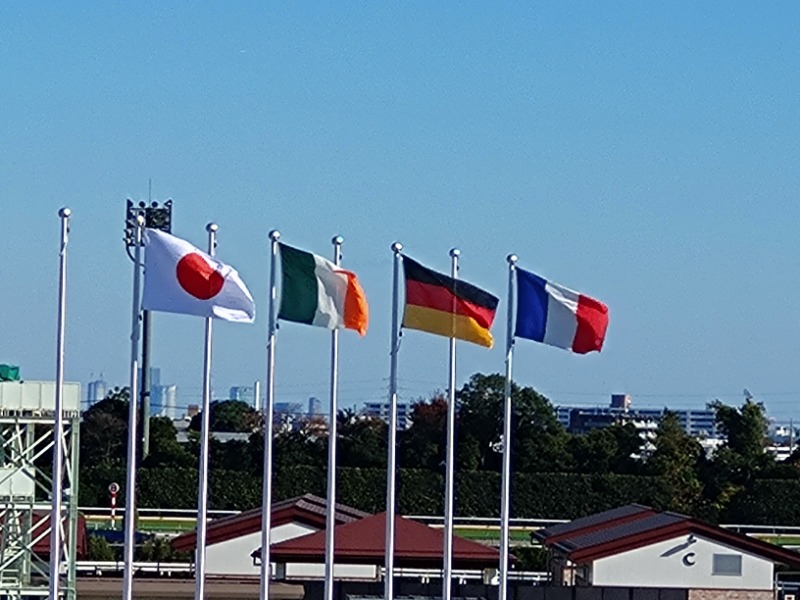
(180, 525)
(486, 534)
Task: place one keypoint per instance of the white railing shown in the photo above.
(98, 567)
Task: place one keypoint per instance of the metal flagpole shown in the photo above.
(447, 575)
(58, 428)
(266, 490)
(205, 422)
(506, 484)
(130, 480)
(391, 459)
(330, 520)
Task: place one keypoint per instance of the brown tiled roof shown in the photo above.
(363, 542)
(308, 509)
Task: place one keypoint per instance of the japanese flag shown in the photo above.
(179, 278)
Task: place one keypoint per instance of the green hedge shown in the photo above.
(548, 495)
(765, 502)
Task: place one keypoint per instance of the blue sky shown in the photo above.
(643, 153)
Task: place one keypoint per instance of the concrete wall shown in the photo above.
(684, 562)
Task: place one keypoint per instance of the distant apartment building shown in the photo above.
(96, 391)
(243, 393)
(289, 409)
(381, 411)
(580, 419)
(314, 407)
(155, 376)
(164, 401)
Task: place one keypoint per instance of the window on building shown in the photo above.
(726, 564)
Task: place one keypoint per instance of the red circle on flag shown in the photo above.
(199, 278)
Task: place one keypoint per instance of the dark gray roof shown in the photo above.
(315, 504)
(616, 532)
(594, 520)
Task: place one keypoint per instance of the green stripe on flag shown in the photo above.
(299, 285)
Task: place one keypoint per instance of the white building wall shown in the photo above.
(36, 396)
(232, 557)
(307, 571)
(681, 563)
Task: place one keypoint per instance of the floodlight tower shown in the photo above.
(155, 217)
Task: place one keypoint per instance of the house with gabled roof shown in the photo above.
(231, 540)
(636, 546)
(360, 550)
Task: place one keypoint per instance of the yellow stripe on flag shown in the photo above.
(447, 324)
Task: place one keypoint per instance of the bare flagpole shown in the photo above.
(58, 428)
(268, 409)
(447, 575)
(506, 484)
(130, 479)
(391, 459)
(330, 520)
(205, 423)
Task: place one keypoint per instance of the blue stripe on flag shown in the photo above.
(532, 298)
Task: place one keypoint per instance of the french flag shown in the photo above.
(557, 316)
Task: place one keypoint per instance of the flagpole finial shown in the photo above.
(212, 227)
(397, 247)
(65, 213)
(512, 259)
(454, 252)
(274, 235)
(337, 240)
(140, 220)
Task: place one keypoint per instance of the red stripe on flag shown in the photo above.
(592, 318)
(440, 298)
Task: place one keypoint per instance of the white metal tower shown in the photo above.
(26, 448)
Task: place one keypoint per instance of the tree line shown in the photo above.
(556, 474)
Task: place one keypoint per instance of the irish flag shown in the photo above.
(316, 292)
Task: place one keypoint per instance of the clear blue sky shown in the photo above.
(643, 153)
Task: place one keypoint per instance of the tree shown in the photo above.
(229, 416)
(104, 430)
(741, 459)
(361, 441)
(290, 448)
(611, 449)
(538, 439)
(99, 549)
(422, 445)
(165, 450)
(677, 459)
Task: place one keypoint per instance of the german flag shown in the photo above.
(445, 306)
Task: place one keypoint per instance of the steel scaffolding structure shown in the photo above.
(27, 430)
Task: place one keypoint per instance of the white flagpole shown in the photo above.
(391, 459)
(205, 422)
(130, 479)
(505, 493)
(266, 504)
(447, 575)
(58, 428)
(330, 520)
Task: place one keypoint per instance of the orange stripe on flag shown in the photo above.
(356, 310)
